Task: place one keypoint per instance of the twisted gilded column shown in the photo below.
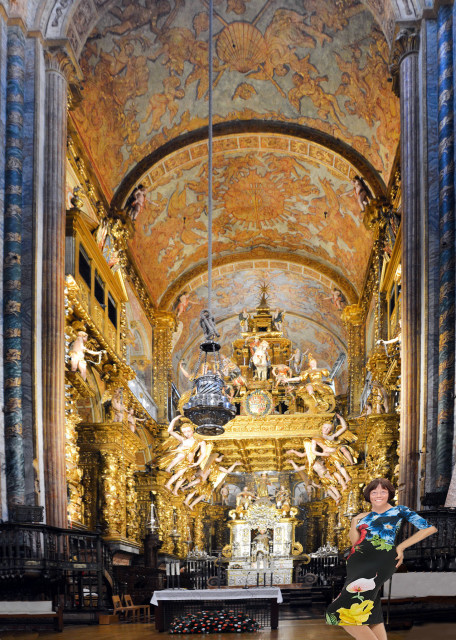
(406, 74)
(132, 504)
(53, 310)
(14, 446)
(113, 495)
(352, 316)
(445, 418)
(163, 332)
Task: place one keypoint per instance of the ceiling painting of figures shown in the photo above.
(284, 199)
(321, 64)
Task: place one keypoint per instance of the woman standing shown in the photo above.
(372, 560)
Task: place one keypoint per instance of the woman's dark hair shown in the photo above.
(384, 483)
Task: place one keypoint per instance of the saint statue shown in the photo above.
(312, 385)
(262, 484)
(261, 543)
(244, 320)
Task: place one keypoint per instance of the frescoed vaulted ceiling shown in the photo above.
(302, 103)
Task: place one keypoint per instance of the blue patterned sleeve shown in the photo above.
(414, 518)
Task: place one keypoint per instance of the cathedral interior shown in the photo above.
(328, 271)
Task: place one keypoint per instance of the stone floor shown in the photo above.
(288, 630)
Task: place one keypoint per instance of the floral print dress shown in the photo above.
(371, 561)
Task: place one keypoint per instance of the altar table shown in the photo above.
(261, 603)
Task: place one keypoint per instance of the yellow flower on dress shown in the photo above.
(357, 614)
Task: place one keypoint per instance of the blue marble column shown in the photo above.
(14, 449)
(445, 419)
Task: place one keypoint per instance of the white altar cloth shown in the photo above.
(217, 594)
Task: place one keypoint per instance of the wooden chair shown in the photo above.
(124, 610)
(143, 609)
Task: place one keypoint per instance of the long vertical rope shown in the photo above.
(209, 199)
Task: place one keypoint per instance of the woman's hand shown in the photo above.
(400, 555)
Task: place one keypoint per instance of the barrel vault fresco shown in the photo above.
(318, 70)
(263, 196)
(322, 64)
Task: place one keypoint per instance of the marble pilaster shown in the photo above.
(53, 310)
(405, 56)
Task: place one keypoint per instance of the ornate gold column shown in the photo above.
(113, 501)
(145, 487)
(132, 504)
(108, 460)
(381, 446)
(73, 470)
(353, 317)
(165, 322)
(199, 530)
(331, 533)
(165, 518)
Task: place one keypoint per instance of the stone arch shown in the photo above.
(362, 166)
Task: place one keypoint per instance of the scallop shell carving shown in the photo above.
(241, 46)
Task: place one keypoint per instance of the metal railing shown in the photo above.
(438, 552)
(72, 565)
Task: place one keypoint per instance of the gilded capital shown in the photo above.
(165, 320)
(353, 314)
(374, 213)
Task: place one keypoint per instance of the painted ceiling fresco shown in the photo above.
(321, 63)
(313, 321)
(278, 198)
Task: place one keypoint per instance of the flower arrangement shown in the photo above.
(214, 622)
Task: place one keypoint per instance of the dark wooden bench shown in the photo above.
(30, 613)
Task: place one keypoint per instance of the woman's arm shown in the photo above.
(408, 542)
(353, 534)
